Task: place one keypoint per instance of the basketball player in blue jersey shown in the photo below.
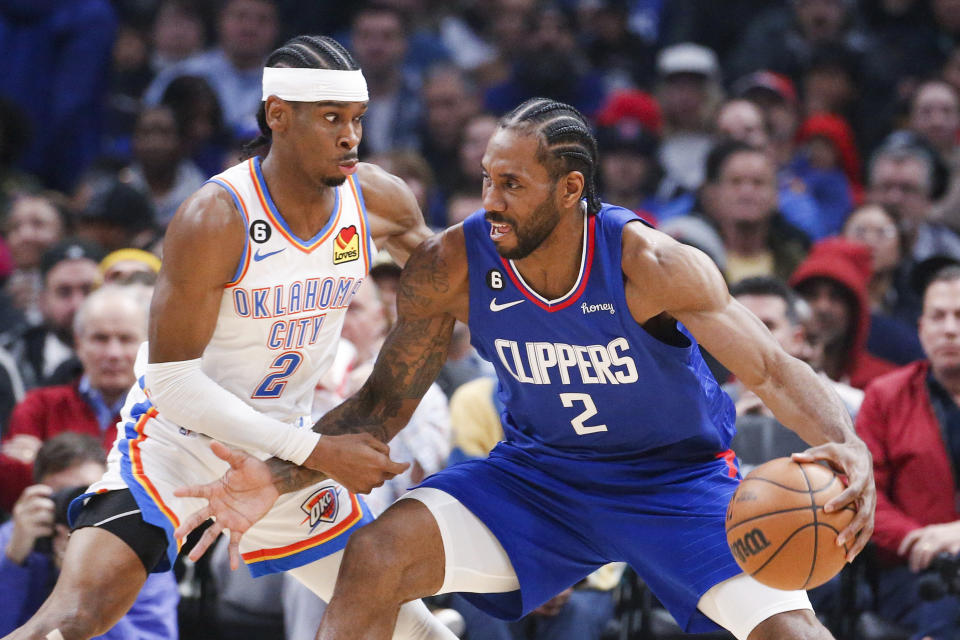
(616, 434)
(259, 267)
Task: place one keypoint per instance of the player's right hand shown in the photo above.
(358, 461)
(32, 519)
(236, 501)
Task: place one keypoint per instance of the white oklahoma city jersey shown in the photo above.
(277, 331)
(280, 319)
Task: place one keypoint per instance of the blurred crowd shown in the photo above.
(809, 147)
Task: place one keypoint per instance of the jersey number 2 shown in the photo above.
(272, 385)
(589, 410)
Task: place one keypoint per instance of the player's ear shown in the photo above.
(571, 188)
(278, 113)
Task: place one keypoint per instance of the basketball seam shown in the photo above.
(787, 488)
(764, 515)
(816, 529)
(776, 551)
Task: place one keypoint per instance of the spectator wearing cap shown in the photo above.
(160, 166)
(776, 96)
(627, 136)
(69, 273)
(828, 164)
(741, 119)
(126, 266)
(109, 326)
(833, 280)
(246, 33)
(688, 92)
(116, 216)
(910, 421)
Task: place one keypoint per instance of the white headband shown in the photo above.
(314, 85)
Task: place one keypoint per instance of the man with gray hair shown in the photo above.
(902, 178)
(108, 327)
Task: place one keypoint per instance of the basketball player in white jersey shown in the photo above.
(259, 267)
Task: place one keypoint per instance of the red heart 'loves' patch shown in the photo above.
(346, 235)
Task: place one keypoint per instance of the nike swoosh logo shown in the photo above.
(257, 256)
(500, 307)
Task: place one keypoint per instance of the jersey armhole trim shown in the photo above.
(370, 251)
(242, 209)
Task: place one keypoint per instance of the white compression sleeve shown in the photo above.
(184, 394)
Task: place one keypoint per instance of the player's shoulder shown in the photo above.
(207, 227)
(386, 195)
(435, 277)
(210, 207)
(668, 271)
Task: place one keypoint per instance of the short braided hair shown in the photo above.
(566, 141)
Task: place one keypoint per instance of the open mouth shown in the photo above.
(498, 230)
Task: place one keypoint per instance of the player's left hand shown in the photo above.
(854, 461)
(236, 501)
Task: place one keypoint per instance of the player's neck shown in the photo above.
(553, 268)
(304, 204)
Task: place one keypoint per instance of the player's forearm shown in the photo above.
(185, 395)
(805, 403)
(409, 362)
(288, 477)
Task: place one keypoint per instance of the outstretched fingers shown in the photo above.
(194, 520)
(206, 540)
(234, 549)
(234, 457)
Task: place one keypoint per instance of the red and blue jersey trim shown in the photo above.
(578, 288)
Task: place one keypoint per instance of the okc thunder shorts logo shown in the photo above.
(321, 506)
(346, 246)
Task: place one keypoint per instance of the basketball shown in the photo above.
(777, 529)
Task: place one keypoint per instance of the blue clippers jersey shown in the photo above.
(578, 374)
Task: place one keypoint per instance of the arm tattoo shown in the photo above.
(289, 477)
(409, 361)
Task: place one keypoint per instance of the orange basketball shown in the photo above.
(777, 529)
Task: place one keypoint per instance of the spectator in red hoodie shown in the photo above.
(827, 162)
(910, 420)
(833, 280)
(109, 326)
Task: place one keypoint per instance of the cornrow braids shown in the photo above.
(301, 52)
(566, 141)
